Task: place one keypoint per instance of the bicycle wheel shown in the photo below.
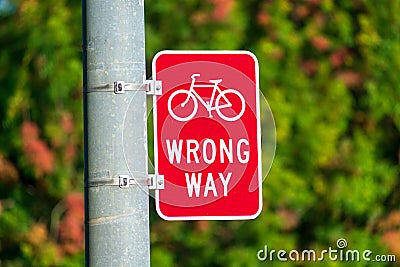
(184, 107)
(231, 96)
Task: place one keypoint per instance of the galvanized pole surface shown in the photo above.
(117, 219)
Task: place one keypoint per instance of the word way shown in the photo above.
(193, 182)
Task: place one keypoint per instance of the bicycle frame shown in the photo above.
(209, 104)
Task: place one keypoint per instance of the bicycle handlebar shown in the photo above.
(194, 76)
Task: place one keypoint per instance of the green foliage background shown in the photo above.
(329, 70)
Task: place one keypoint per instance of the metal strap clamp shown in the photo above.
(153, 181)
(151, 87)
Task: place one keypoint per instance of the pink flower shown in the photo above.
(321, 43)
(222, 8)
(36, 151)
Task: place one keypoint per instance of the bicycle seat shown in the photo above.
(216, 81)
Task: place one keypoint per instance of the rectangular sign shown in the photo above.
(207, 135)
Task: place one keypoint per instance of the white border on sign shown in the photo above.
(154, 73)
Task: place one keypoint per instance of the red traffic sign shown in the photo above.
(207, 135)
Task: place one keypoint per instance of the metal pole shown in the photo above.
(117, 219)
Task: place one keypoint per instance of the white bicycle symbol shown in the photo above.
(211, 105)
